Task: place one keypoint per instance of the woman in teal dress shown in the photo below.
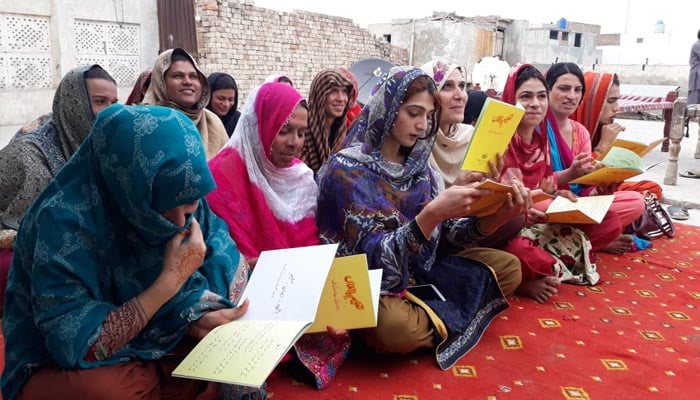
(120, 266)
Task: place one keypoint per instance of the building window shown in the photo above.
(113, 46)
(25, 52)
(554, 35)
(387, 38)
(565, 36)
(640, 40)
(577, 40)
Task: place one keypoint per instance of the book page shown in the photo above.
(606, 176)
(618, 157)
(488, 205)
(492, 134)
(241, 352)
(346, 302)
(375, 283)
(541, 196)
(619, 164)
(641, 149)
(287, 284)
(587, 210)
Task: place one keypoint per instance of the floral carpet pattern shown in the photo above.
(635, 335)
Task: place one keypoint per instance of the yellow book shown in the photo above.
(618, 165)
(586, 210)
(284, 291)
(351, 296)
(641, 149)
(488, 205)
(492, 133)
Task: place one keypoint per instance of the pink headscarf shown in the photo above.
(266, 207)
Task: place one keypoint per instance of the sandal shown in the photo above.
(678, 212)
(690, 174)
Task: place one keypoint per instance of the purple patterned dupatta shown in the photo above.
(368, 205)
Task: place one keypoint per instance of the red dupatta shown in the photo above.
(532, 159)
(588, 112)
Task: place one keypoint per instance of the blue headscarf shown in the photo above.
(95, 239)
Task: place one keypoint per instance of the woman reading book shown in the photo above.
(452, 140)
(379, 196)
(570, 148)
(548, 253)
(119, 266)
(267, 196)
(597, 112)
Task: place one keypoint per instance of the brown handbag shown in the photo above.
(654, 221)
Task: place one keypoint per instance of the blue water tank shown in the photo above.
(563, 24)
(660, 27)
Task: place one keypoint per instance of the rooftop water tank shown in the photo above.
(660, 27)
(563, 24)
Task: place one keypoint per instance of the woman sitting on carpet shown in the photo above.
(570, 149)
(451, 143)
(117, 263)
(268, 198)
(379, 196)
(597, 114)
(549, 253)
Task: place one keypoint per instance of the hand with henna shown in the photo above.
(182, 257)
(184, 253)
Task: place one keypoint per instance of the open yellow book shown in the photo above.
(488, 205)
(350, 298)
(494, 129)
(618, 165)
(641, 149)
(284, 291)
(587, 210)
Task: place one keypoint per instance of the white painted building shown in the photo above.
(41, 40)
(657, 45)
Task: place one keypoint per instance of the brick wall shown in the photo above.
(251, 43)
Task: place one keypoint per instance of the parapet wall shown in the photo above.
(251, 43)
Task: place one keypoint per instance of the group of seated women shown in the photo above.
(140, 235)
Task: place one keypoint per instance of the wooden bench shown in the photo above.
(681, 113)
(640, 98)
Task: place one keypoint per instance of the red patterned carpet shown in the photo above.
(634, 336)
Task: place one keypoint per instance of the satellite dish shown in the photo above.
(368, 72)
(491, 73)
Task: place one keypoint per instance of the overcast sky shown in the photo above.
(614, 16)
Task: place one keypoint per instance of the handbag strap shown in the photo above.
(660, 216)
